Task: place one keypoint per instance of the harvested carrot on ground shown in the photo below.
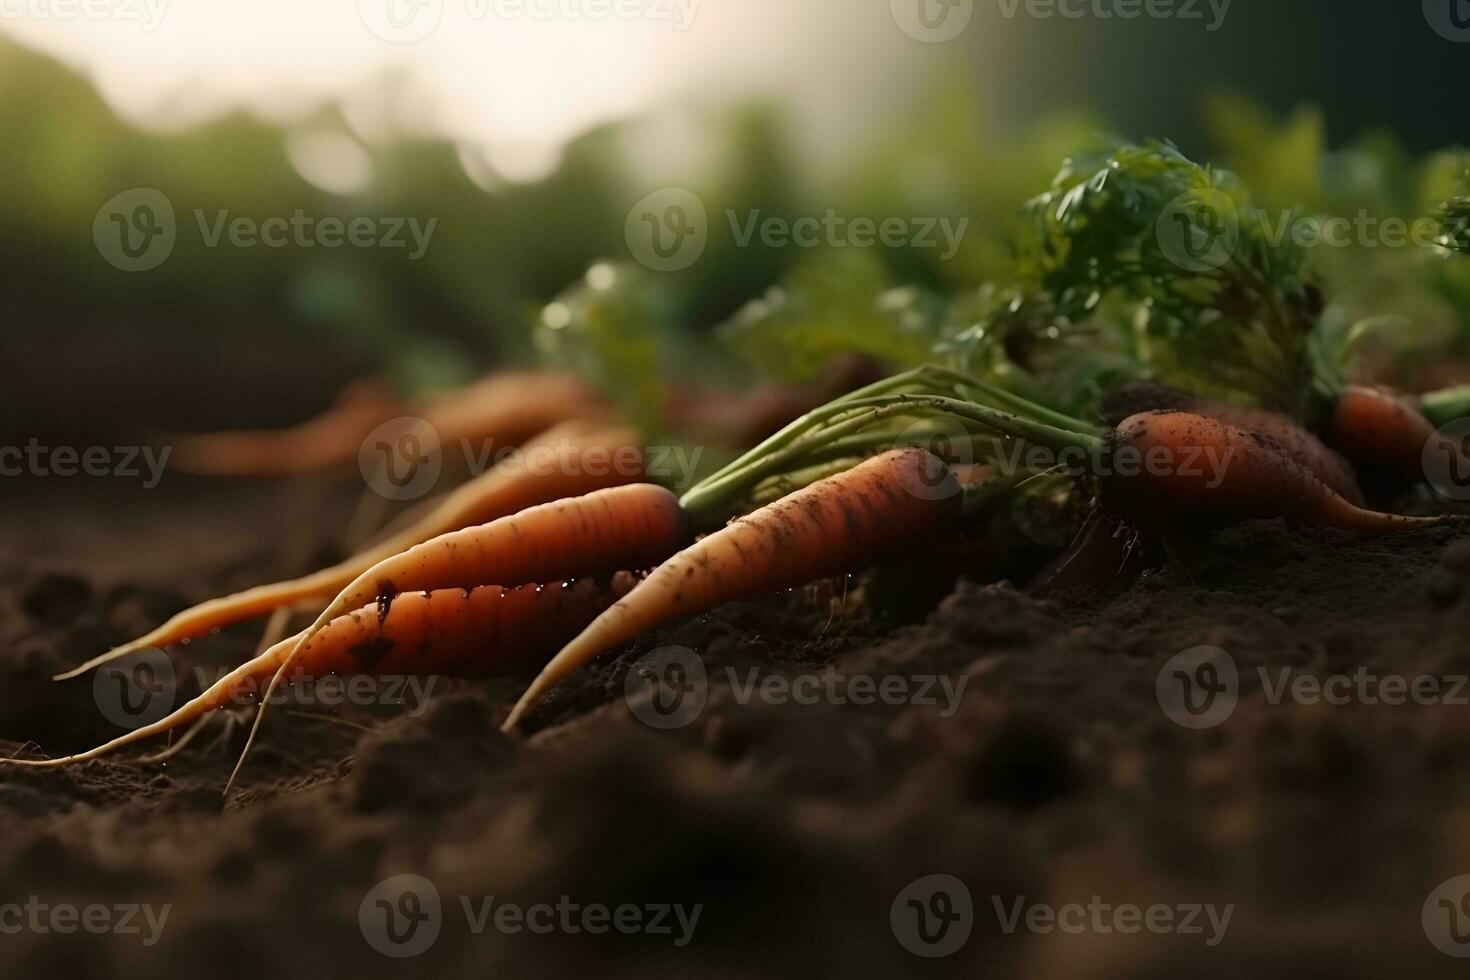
(830, 527)
(481, 632)
(1288, 435)
(504, 408)
(620, 529)
(1153, 468)
(1381, 428)
(568, 460)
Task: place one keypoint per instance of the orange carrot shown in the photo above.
(506, 408)
(1381, 428)
(568, 460)
(622, 528)
(487, 631)
(825, 529)
(1209, 469)
(1289, 435)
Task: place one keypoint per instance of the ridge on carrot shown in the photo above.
(587, 457)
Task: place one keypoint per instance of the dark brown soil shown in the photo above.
(1059, 777)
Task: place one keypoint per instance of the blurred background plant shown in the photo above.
(528, 260)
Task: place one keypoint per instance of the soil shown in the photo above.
(1057, 776)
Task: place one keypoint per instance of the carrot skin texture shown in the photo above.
(606, 531)
(1257, 480)
(523, 481)
(491, 631)
(828, 528)
(1294, 439)
(1381, 428)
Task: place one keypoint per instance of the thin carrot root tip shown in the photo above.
(830, 527)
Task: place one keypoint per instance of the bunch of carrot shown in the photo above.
(520, 567)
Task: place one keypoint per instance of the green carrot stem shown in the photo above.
(712, 497)
(1445, 406)
(1012, 402)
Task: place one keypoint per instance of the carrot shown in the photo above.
(566, 461)
(1289, 436)
(611, 530)
(1251, 477)
(824, 529)
(506, 408)
(1381, 428)
(486, 631)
